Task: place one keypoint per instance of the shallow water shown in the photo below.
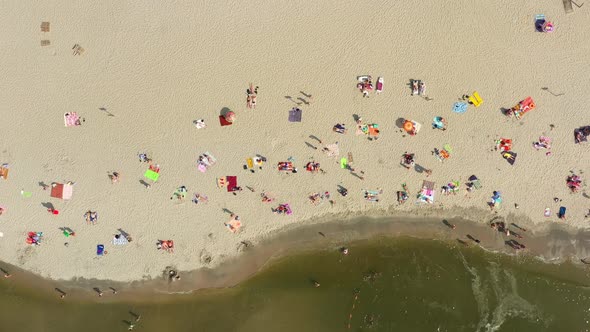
(385, 284)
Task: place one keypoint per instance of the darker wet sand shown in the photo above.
(556, 243)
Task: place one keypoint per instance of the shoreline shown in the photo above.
(555, 243)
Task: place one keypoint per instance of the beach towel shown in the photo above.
(223, 122)
(63, 191)
(232, 183)
(459, 107)
(120, 241)
(100, 249)
(72, 119)
(343, 163)
(295, 115)
(374, 130)
(152, 175)
(509, 156)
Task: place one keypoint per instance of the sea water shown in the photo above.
(383, 284)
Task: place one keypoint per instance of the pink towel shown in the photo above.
(71, 119)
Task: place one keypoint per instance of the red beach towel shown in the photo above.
(232, 182)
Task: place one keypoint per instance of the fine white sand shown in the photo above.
(157, 66)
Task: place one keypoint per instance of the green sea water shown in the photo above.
(385, 284)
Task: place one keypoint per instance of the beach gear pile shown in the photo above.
(412, 127)
(34, 238)
(581, 134)
(402, 195)
(408, 160)
(365, 85)
(283, 209)
(504, 144)
(313, 167)
(574, 182)
(496, 199)
(443, 154)
(373, 195)
(167, 245)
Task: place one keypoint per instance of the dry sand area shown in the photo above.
(158, 66)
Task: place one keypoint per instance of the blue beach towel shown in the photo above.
(100, 249)
(460, 107)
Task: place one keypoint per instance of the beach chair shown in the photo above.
(475, 99)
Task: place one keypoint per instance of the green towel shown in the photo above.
(343, 163)
(152, 175)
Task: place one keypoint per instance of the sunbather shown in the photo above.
(415, 88)
(421, 88)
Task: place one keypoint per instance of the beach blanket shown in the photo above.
(295, 115)
(459, 107)
(120, 241)
(223, 122)
(72, 119)
(100, 249)
(426, 195)
(232, 183)
(205, 161)
(63, 191)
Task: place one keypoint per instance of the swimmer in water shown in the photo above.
(345, 251)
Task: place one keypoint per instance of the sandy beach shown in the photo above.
(146, 71)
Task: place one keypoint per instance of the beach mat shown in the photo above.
(232, 182)
(295, 115)
(100, 249)
(223, 122)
